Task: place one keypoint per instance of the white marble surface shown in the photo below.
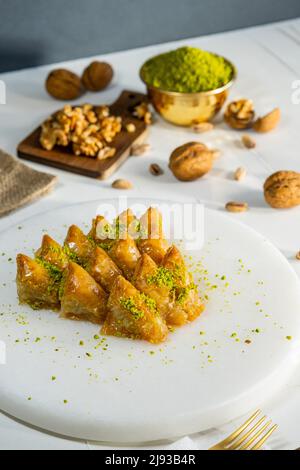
(267, 58)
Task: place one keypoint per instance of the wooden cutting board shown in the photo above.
(64, 158)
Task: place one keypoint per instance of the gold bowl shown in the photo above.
(186, 109)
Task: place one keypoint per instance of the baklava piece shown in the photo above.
(81, 297)
(102, 268)
(51, 252)
(152, 240)
(101, 233)
(77, 246)
(133, 315)
(126, 255)
(186, 291)
(37, 283)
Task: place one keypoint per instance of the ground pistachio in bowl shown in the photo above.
(188, 86)
(187, 70)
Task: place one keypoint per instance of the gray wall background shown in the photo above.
(34, 32)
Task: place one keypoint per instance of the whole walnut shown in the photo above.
(282, 189)
(191, 161)
(64, 85)
(97, 76)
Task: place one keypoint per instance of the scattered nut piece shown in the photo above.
(248, 142)
(142, 112)
(130, 128)
(156, 170)
(64, 85)
(248, 341)
(97, 76)
(237, 206)
(191, 161)
(203, 127)
(282, 190)
(268, 122)
(240, 114)
(106, 152)
(240, 174)
(122, 184)
(140, 149)
(298, 256)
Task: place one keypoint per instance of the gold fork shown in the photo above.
(246, 437)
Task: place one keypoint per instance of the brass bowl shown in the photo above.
(186, 109)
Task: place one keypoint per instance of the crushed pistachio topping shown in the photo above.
(165, 277)
(55, 273)
(151, 304)
(130, 305)
(105, 245)
(184, 293)
(162, 277)
(71, 254)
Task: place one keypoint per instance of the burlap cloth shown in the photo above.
(19, 184)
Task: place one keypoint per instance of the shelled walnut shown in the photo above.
(64, 85)
(87, 128)
(240, 114)
(191, 161)
(282, 189)
(142, 112)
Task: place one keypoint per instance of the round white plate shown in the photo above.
(226, 363)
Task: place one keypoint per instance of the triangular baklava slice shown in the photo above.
(37, 283)
(126, 225)
(125, 254)
(81, 297)
(186, 291)
(52, 253)
(102, 233)
(133, 315)
(152, 240)
(102, 268)
(77, 246)
(158, 283)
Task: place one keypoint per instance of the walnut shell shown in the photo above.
(282, 189)
(268, 122)
(191, 161)
(97, 76)
(64, 85)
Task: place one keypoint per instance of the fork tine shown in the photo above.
(256, 436)
(237, 443)
(242, 428)
(261, 442)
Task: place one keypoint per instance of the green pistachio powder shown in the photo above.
(187, 70)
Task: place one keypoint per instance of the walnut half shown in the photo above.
(240, 114)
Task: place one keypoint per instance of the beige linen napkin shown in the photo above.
(19, 184)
